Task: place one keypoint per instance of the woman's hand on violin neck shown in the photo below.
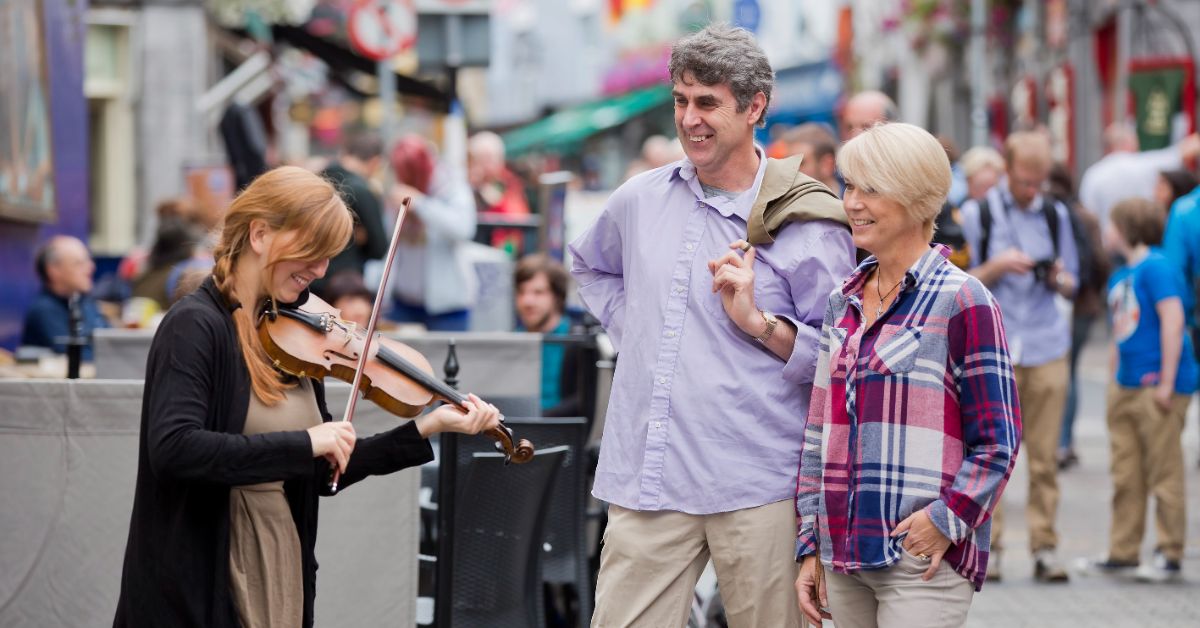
(334, 441)
(478, 416)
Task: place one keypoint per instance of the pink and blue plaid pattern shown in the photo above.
(917, 412)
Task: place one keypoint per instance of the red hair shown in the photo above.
(290, 200)
(413, 162)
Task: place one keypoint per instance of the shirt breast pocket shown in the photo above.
(768, 288)
(895, 350)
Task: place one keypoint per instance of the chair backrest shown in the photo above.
(564, 542)
(522, 406)
(498, 526)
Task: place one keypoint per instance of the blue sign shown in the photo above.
(746, 14)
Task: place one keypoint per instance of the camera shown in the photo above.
(1041, 270)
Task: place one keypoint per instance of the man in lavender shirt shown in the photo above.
(717, 352)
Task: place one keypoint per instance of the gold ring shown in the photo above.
(746, 246)
(922, 557)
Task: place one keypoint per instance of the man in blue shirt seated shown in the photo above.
(541, 297)
(65, 268)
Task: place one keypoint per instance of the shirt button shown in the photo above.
(669, 334)
(691, 246)
(679, 289)
(662, 380)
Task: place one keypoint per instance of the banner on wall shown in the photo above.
(1162, 96)
(1060, 113)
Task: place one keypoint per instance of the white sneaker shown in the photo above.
(1105, 566)
(1160, 570)
(1046, 567)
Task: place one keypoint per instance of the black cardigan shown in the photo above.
(191, 450)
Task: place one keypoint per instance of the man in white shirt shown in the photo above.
(1124, 172)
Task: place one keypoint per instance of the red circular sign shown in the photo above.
(380, 29)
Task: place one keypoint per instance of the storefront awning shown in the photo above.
(340, 58)
(566, 128)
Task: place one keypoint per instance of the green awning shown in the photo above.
(569, 127)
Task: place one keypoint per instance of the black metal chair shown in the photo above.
(564, 546)
(498, 525)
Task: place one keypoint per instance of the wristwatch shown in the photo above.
(771, 323)
(1061, 278)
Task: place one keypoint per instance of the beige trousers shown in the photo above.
(897, 597)
(651, 561)
(1042, 391)
(1147, 458)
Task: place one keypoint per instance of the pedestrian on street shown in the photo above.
(913, 381)
(438, 288)
(1023, 249)
(1125, 172)
(717, 351)
(1089, 296)
(1156, 374)
(359, 161)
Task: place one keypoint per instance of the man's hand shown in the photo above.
(810, 587)
(1012, 262)
(733, 277)
(924, 540)
(1062, 281)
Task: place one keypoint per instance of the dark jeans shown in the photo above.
(1080, 327)
(458, 320)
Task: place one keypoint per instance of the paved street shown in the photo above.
(1083, 528)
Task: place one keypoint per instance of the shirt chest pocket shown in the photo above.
(895, 350)
(769, 292)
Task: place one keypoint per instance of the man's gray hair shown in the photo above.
(724, 54)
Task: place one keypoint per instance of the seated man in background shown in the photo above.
(541, 297)
(65, 268)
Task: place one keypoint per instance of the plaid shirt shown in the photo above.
(919, 411)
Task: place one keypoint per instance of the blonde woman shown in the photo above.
(913, 425)
(233, 455)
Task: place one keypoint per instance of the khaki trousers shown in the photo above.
(1146, 458)
(651, 561)
(897, 597)
(1042, 391)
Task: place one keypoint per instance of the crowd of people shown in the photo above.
(884, 402)
(833, 351)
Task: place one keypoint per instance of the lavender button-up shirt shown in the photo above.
(702, 419)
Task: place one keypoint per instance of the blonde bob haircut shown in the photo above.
(901, 162)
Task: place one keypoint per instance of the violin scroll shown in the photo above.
(519, 453)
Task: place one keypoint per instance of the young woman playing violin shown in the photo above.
(233, 455)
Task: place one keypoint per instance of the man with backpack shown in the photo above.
(1023, 249)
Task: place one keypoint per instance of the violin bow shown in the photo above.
(375, 309)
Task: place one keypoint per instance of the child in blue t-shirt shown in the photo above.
(1156, 373)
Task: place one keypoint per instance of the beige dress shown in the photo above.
(264, 548)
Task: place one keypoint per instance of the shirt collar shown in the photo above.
(937, 255)
(1007, 198)
(739, 205)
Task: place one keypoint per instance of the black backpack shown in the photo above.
(1083, 247)
(985, 225)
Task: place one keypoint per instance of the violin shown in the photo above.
(312, 340)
